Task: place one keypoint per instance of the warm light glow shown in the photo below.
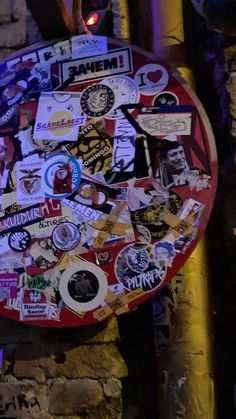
(92, 20)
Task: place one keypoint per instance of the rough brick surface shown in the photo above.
(19, 10)
(5, 13)
(23, 401)
(14, 33)
(75, 397)
(95, 361)
(112, 388)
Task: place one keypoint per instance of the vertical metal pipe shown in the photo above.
(185, 368)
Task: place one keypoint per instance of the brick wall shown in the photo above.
(55, 373)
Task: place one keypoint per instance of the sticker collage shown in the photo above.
(107, 179)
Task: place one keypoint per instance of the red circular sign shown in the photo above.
(108, 176)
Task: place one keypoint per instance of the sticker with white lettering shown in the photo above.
(19, 240)
(61, 175)
(135, 267)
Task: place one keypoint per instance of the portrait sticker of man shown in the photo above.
(174, 169)
(164, 254)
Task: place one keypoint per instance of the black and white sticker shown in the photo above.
(66, 236)
(97, 100)
(166, 99)
(19, 240)
(83, 286)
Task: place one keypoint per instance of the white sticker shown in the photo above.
(58, 116)
(91, 68)
(167, 123)
(29, 185)
(124, 129)
(88, 46)
(83, 286)
(151, 79)
(25, 138)
(123, 153)
(125, 92)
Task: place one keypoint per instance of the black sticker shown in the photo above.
(83, 286)
(166, 99)
(19, 240)
(97, 100)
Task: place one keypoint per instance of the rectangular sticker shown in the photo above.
(8, 285)
(29, 185)
(58, 116)
(21, 218)
(88, 46)
(167, 123)
(91, 68)
(34, 306)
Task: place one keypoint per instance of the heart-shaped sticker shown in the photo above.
(154, 76)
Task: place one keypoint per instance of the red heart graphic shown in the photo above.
(154, 76)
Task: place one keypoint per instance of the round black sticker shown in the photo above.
(19, 240)
(97, 100)
(166, 99)
(83, 286)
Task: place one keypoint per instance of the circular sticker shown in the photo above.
(19, 240)
(151, 79)
(83, 286)
(66, 236)
(136, 268)
(61, 175)
(127, 194)
(97, 100)
(166, 99)
(125, 92)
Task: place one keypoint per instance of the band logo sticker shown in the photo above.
(8, 285)
(83, 286)
(136, 267)
(92, 68)
(19, 240)
(29, 188)
(66, 236)
(151, 79)
(61, 175)
(97, 100)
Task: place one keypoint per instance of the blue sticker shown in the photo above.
(62, 175)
